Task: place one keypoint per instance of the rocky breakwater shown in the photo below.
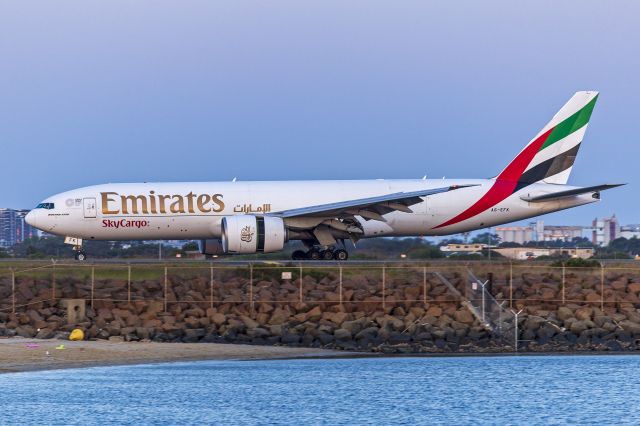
(405, 315)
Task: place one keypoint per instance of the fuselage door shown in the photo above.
(89, 207)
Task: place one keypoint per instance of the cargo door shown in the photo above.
(89, 207)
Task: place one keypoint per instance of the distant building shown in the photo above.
(452, 248)
(605, 230)
(629, 231)
(538, 231)
(563, 233)
(524, 253)
(515, 234)
(13, 228)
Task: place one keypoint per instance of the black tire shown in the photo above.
(298, 255)
(341, 255)
(326, 254)
(313, 254)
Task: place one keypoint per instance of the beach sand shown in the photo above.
(19, 354)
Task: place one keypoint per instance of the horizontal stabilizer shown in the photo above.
(570, 193)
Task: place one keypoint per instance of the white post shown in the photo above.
(515, 328)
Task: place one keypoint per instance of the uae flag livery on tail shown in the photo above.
(548, 158)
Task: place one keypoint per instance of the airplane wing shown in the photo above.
(368, 208)
(570, 193)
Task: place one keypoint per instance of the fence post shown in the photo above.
(510, 284)
(602, 286)
(384, 285)
(93, 284)
(211, 285)
(251, 287)
(564, 284)
(300, 285)
(165, 288)
(340, 269)
(13, 291)
(515, 328)
(53, 282)
(129, 283)
(424, 286)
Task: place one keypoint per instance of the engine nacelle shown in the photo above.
(211, 247)
(250, 234)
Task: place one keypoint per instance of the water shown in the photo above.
(473, 390)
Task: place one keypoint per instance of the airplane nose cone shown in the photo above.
(30, 218)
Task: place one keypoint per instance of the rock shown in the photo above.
(577, 327)
(584, 313)
(593, 297)
(353, 327)
(631, 327)
(434, 311)
(397, 338)
(564, 313)
(116, 339)
(342, 334)
(634, 288)
(335, 317)
(45, 333)
(248, 322)
(25, 331)
(463, 316)
(218, 318)
(290, 338)
(258, 332)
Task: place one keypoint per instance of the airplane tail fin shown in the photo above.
(550, 155)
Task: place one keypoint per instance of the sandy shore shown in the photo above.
(18, 354)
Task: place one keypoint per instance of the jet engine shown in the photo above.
(251, 234)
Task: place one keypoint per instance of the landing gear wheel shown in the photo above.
(340, 254)
(313, 254)
(298, 255)
(80, 255)
(326, 254)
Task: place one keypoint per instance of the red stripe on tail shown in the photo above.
(504, 184)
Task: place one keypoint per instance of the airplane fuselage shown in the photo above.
(146, 211)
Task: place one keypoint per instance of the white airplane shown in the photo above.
(260, 217)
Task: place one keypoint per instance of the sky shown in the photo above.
(128, 91)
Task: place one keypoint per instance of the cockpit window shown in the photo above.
(48, 206)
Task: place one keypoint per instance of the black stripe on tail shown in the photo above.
(550, 167)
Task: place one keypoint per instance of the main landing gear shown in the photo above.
(316, 253)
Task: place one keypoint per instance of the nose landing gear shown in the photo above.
(316, 253)
(78, 254)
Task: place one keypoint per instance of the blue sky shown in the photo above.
(94, 92)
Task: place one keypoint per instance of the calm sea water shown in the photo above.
(478, 390)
